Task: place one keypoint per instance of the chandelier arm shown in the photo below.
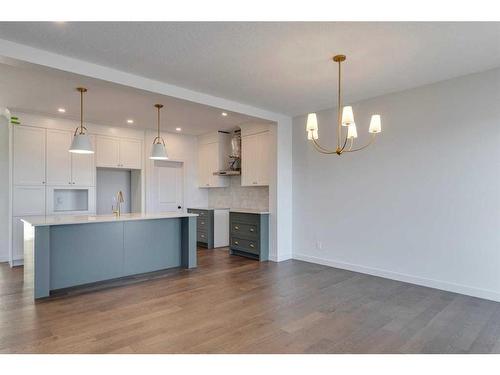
(351, 143)
(322, 149)
(365, 146)
(345, 142)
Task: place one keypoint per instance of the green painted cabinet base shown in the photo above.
(249, 235)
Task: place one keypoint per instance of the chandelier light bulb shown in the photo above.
(347, 116)
(375, 124)
(312, 122)
(352, 131)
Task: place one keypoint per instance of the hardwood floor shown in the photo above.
(234, 305)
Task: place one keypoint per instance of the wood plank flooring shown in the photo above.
(231, 304)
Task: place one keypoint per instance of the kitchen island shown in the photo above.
(68, 251)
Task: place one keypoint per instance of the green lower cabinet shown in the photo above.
(249, 235)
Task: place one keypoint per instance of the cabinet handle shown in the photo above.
(202, 222)
(251, 229)
(255, 182)
(43, 182)
(207, 184)
(202, 236)
(236, 227)
(236, 243)
(252, 246)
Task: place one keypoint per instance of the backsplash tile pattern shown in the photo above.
(237, 196)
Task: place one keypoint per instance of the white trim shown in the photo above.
(431, 283)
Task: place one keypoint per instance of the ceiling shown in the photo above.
(40, 90)
(283, 67)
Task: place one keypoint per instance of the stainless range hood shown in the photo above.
(234, 166)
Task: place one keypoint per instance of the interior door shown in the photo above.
(167, 187)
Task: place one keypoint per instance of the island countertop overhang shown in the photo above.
(38, 221)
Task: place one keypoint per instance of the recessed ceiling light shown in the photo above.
(178, 129)
(224, 114)
(130, 121)
(62, 110)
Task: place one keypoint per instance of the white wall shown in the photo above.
(4, 183)
(423, 203)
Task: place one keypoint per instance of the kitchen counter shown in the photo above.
(70, 251)
(208, 208)
(38, 221)
(249, 211)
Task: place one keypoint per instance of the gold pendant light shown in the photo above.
(345, 118)
(159, 151)
(81, 141)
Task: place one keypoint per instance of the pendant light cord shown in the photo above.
(158, 122)
(81, 112)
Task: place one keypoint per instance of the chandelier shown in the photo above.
(345, 118)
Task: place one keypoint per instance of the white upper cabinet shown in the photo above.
(114, 152)
(213, 156)
(64, 167)
(28, 155)
(255, 159)
(107, 152)
(58, 157)
(130, 153)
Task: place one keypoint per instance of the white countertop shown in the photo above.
(249, 211)
(71, 219)
(208, 208)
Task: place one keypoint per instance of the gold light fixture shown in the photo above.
(81, 141)
(345, 118)
(158, 152)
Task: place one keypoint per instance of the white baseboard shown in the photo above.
(17, 262)
(282, 258)
(431, 283)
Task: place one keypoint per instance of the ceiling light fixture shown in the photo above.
(61, 110)
(81, 141)
(159, 151)
(130, 121)
(178, 129)
(345, 118)
(224, 114)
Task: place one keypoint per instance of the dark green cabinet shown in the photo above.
(204, 227)
(249, 235)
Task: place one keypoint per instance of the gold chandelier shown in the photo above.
(345, 118)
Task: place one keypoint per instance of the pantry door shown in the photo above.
(167, 187)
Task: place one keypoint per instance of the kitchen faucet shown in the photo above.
(119, 200)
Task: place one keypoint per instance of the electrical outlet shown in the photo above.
(319, 245)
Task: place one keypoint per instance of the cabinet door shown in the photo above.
(212, 164)
(17, 239)
(249, 154)
(28, 155)
(83, 168)
(263, 167)
(28, 200)
(203, 165)
(107, 152)
(130, 154)
(58, 157)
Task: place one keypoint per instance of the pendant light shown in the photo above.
(81, 141)
(345, 118)
(159, 151)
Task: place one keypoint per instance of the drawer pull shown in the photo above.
(202, 222)
(236, 242)
(202, 236)
(251, 229)
(236, 227)
(252, 245)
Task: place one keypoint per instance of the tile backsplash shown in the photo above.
(237, 196)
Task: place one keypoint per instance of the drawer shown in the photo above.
(202, 222)
(244, 218)
(249, 246)
(201, 236)
(244, 229)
